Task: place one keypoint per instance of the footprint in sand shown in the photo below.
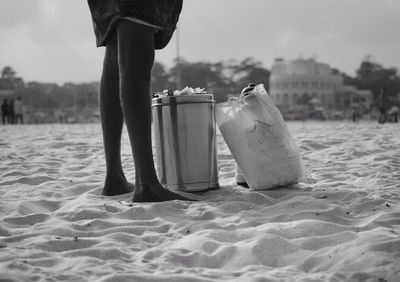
(28, 180)
(40, 206)
(31, 219)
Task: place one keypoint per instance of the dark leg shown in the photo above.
(112, 122)
(135, 60)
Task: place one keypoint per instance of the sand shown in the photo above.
(341, 223)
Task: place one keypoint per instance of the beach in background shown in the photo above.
(341, 223)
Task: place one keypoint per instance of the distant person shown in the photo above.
(11, 114)
(18, 111)
(4, 112)
(131, 30)
(355, 115)
(382, 106)
(394, 114)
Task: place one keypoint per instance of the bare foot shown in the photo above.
(155, 193)
(117, 186)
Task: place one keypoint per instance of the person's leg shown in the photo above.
(135, 61)
(112, 122)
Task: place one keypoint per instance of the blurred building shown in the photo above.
(350, 97)
(305, 85)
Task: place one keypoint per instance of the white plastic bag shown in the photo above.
(259, 140)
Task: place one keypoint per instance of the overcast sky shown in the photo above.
(53, 40)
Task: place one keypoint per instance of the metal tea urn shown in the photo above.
(185, 141)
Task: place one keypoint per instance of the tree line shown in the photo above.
(222, 78)
(375, 77)
(47, 96)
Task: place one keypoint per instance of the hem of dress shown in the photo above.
(102, 41)
(135, 20)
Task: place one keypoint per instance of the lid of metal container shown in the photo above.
(182, 99)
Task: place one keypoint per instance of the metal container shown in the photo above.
(185, 141)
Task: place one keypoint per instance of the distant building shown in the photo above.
(351, 98)
(304, 83)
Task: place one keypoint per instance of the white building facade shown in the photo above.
(297, 84)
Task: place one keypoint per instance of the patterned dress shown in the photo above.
(161, 13)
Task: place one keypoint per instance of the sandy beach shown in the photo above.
(341, 223)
